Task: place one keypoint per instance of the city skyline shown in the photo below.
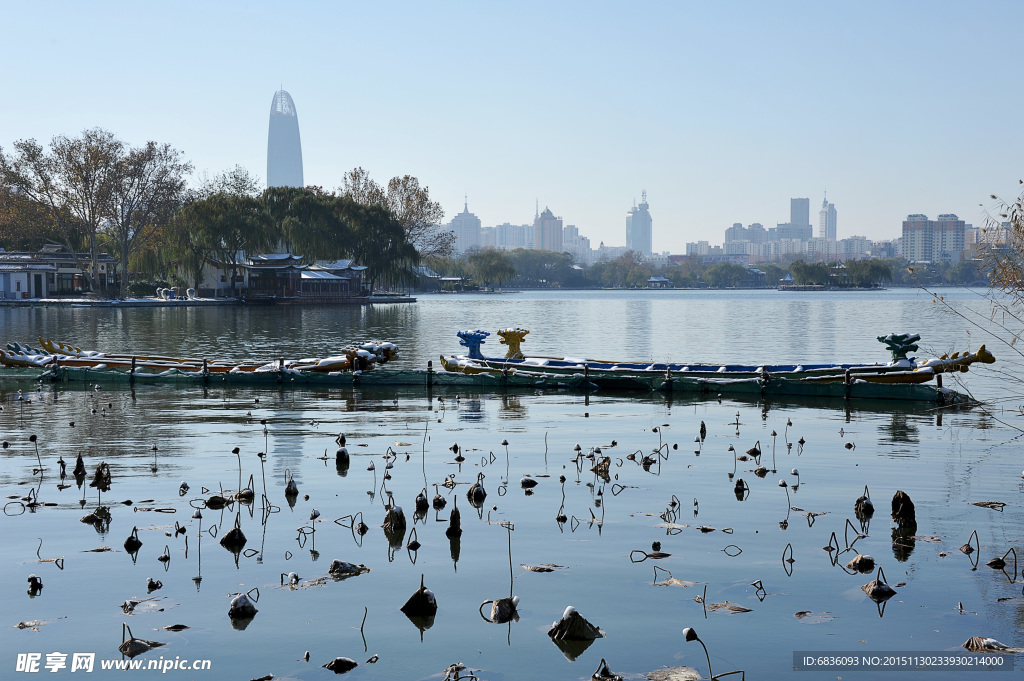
(895, 109)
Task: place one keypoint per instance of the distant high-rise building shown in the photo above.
(510, 237)
(466, 227)
(754, 234)
(577, 244)
(638, 228)
(800, 212)
(284, 148)
(547, 230)
(799, 225)
(736, 233)
(940, 240)
(827, 221)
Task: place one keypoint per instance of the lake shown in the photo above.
(755, 558)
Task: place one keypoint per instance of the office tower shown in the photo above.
(827, 221)
(284, 148)
(547, 232)
(466, 227)
(638, 228)
(799, 225)
(799, 212)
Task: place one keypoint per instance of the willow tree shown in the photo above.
(309, 223)
(378, 242)
(228, 226)
(491, 266)
(868, 273)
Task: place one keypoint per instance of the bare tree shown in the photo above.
(419, 216)
(1002, 246)
(148, 188)
(74, 180)
(238, 181)
(357, 185)
(409, 203)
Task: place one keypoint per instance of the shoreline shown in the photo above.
(199, 302)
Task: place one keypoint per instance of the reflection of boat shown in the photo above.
(892, 380)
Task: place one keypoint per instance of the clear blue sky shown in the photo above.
(722, 111)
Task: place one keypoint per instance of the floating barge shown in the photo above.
(902, 378)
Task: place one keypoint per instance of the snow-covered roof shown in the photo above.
(425, 271)
(346, 264)
(320, 275)
(34, 267)
(274, 257)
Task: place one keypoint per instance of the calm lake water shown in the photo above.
(945, 460)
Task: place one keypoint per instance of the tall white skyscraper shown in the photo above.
(827, 221)
(284, 148)
(638, 227)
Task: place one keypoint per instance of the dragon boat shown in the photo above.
(895, 379)
(55, 356)
(902, 378)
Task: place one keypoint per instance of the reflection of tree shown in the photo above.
(898, 429)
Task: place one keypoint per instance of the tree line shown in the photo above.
(545, 269)
(95, 193)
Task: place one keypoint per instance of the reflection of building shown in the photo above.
(940, 240)
(284, 149)
(547, 230)
(638, 228)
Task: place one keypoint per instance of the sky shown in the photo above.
(721, 111)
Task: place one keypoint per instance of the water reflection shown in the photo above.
(194, 428)
(899, 429)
